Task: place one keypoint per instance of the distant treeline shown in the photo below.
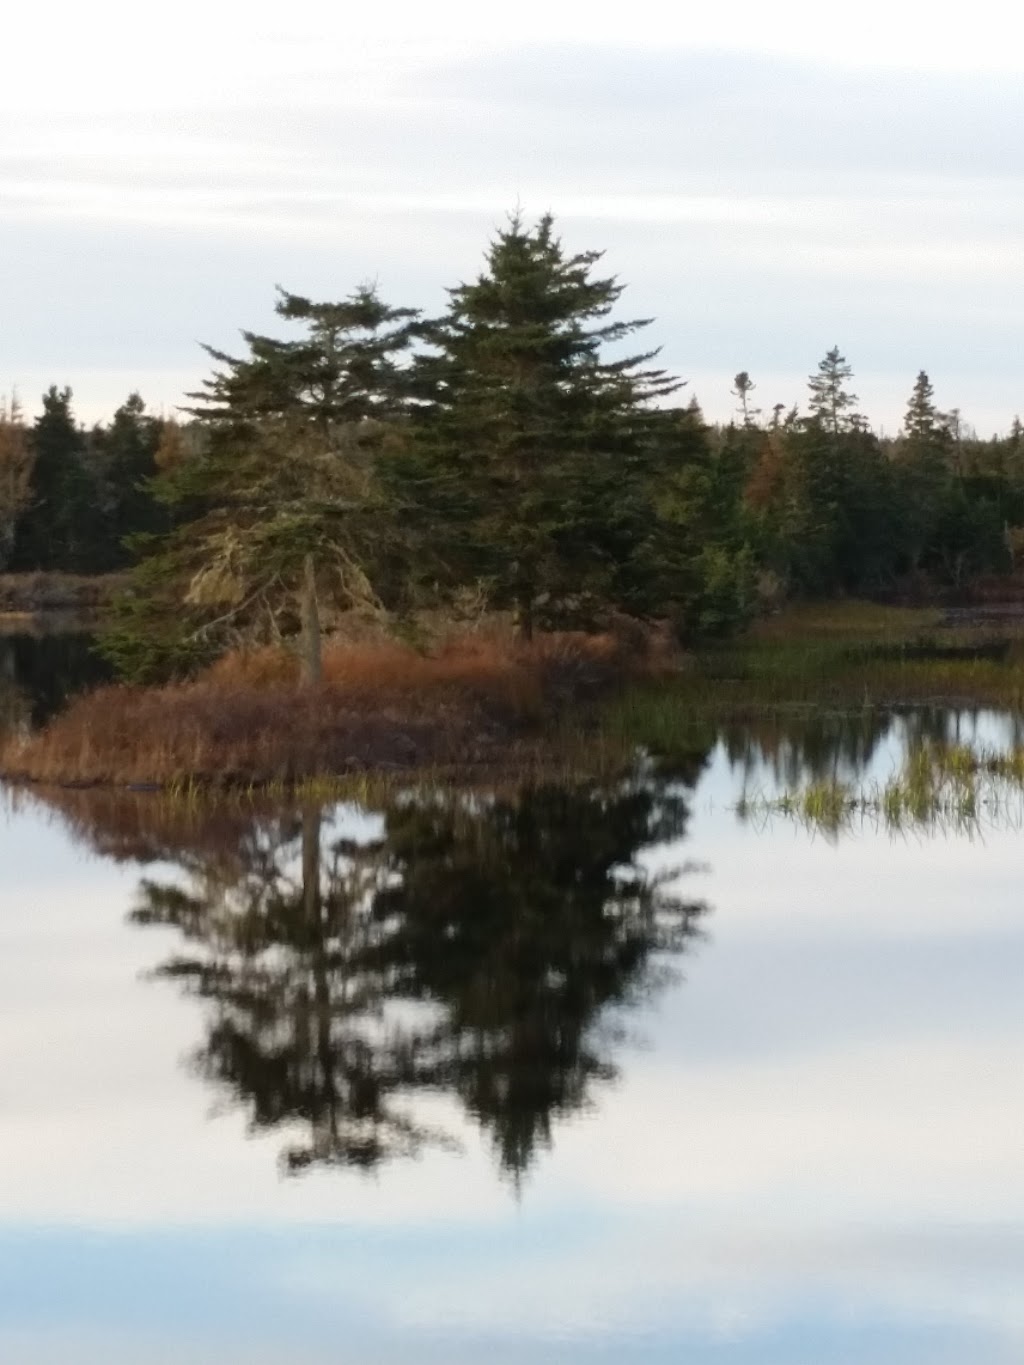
(71, 497)
(508, 455)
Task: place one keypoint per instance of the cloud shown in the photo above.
(762, 207)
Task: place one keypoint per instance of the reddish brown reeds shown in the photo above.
(380, 706)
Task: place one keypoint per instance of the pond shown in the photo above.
(562, 1074)
(39, 671)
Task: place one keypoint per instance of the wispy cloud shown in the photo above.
(763, 205)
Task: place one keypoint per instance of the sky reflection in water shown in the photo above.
(513, 1078)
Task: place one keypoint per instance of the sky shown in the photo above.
(768, 181)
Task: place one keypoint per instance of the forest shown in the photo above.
(518, 454)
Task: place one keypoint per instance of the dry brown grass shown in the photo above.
(381, 706)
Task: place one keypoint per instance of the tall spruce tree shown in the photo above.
(831, 404)
(922, 421)
(530, 464)
(925, 474)
(847, 539)
(279, 503)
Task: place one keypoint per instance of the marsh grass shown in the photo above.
(381, 707)
(481, 701)
(836, 657)
(939, 787)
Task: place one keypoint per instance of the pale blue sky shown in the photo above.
(769, 181)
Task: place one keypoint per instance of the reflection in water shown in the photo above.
(469, 946)
(818, 745)
(40, 672)
(792, 749)
(821, 1151)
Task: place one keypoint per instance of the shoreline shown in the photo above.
(488, 707)
(49, 596)
(479, 704)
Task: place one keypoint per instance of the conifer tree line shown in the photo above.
(71, 498)
(520, 453)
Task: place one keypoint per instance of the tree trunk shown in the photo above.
(324, 1122)
(312, 649)
(524, 617)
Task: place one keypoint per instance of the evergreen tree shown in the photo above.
(15, 475)
(831, 404)
(127, 452)
(694, 565)
(530, 464)
(50, 534)
(922, 421)
(924, 469)
(280, 507)
(846, 537)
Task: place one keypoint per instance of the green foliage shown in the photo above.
(150, 634)
(16, 461)
(831, 404)
(279, 497)
(696, 565)
(514, 453)
(124, 461)
(56, 525)
(724, 595)
(530, 467)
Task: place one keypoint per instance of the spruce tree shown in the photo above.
(692, 567)
(922, 421)
(530, 464)
(123, 456)
(831, 404)
(847, 540)
(50, 534)
(278, 501)
(925, 473)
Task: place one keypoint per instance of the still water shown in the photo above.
(562, 1075)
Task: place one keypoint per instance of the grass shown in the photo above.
(939, 787)
(482, 701)
(477, 702)
(812, 660)
(124, 826)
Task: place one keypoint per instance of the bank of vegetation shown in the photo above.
(516, 460)
(843, 656)
(478, 703)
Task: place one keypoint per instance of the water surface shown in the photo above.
(565, 1074)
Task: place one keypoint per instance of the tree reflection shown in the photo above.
(39, 671)
(477, 947)
(526, 920)
(821, 746)
(791, 750)
(281, 949)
